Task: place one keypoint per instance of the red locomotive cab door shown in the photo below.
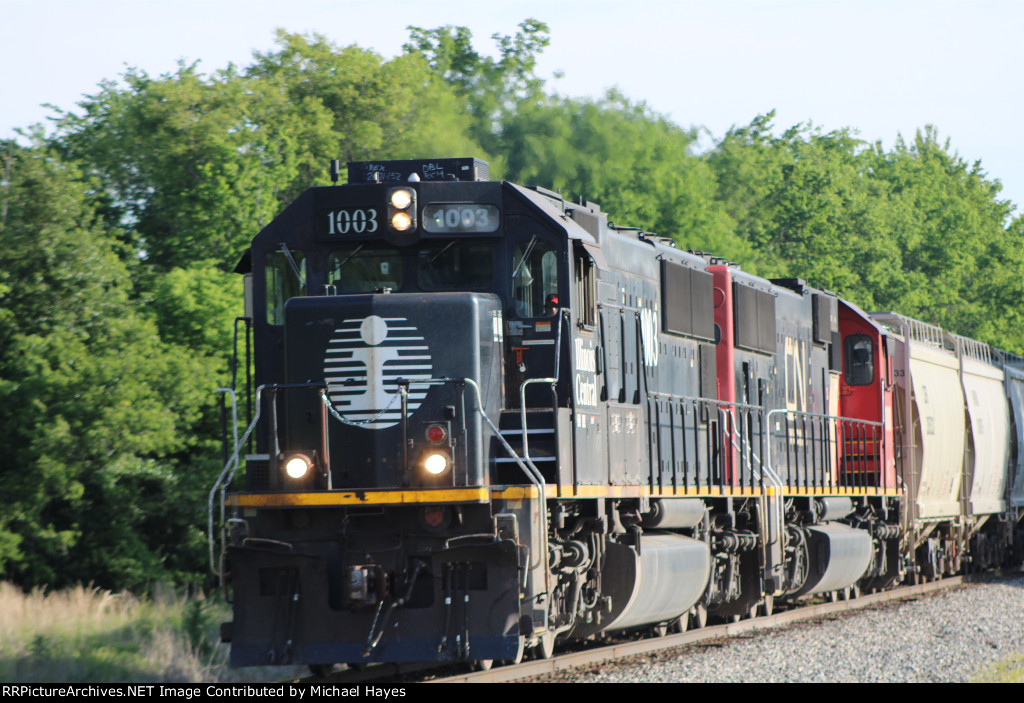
(861, 439)
(865, 403)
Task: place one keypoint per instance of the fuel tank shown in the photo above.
(838, 556)
(660, 583)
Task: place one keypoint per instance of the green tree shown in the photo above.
(187, 166)
(491, 89)
(96, 410)
(958, 243)
(193, 166)
(638, 165)
(377, 109)
(914, 230)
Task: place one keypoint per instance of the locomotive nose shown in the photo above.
(393, 365)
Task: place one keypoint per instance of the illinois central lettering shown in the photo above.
(585, 381)
(586, 357)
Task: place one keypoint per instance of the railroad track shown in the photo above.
(624, 650)
(564, 661)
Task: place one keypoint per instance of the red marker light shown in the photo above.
(433, 516)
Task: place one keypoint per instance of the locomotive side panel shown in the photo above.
(684, 372)
(805, 382)
(744, 315)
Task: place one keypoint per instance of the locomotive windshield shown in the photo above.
(362, 270)
(453, 265)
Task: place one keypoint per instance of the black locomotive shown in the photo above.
(485, 418)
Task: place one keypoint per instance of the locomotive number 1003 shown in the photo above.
(457, 217)
(350, 221)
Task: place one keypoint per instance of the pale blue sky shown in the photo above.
(881, 67)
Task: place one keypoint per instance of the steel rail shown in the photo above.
(571, 660)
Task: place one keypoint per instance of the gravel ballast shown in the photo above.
(947, 637)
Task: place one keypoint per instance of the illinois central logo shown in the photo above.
(362, 366)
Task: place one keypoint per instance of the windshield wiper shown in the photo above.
(526, 255)
(349, 257)
(295, 266)
(438, 254)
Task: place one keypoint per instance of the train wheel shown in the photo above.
(483, 664)
(832, 596)
(681, 623)
(768, 606)
(700, 616)
(659, 630)
(546, 647)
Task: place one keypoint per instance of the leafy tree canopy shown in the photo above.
(191, 166)
(914, 230)
(491, 89)
(96, 410)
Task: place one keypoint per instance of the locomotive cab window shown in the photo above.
(455, 266)
(284, 281)
(585, 293)
(535, 279)
(360, 270)
(859, 355)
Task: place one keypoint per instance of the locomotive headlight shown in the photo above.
(298, 466)
(436, 463)
(402, 209)
(401, 198)
(401, 221)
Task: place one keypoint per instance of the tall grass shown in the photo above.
(89, 635)
(1008, 670)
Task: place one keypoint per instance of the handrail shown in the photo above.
(741, 442)
(746, 448)
(709, 401)
(723, 407)
(231, 466)
(824, 419)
